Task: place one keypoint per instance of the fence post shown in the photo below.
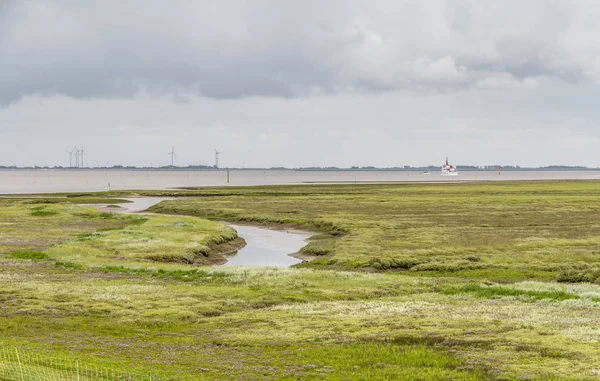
(20, 365)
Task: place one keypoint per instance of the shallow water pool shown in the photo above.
(267, 247)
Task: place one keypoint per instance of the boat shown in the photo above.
(449, 170)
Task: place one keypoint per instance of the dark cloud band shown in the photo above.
(233, 49)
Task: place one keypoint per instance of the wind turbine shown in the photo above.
(70, 158)
(76, 157)
(173, 155)
(81, 153)
(217, 153)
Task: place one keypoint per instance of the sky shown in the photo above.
(299, 83)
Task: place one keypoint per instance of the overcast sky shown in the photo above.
(300, 83)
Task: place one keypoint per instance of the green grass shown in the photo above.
(147, 241)
(22, 229)
(87, 236)
(293, 323)
(435, 228)
(69, 199)
(375, 361)
(29, 254)
(586, 275)
(489, 292)
(43, 213)
(410, 282)
(360, 361)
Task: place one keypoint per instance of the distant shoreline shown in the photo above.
(369, 169)
(27, 181)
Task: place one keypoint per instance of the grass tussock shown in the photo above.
(491, 292)
(29, 254)
(589, 275)
(41, 211)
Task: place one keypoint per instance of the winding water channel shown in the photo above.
(264, 247)
(267, 247)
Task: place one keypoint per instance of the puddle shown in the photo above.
(267, 247)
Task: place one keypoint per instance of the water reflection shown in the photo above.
(139, 204)
(267, 247)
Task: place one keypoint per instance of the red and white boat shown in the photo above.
(449, 170)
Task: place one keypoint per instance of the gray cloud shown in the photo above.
(233, 49)
(555, 123)
(300, 83)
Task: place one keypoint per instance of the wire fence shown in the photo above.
(19, 365)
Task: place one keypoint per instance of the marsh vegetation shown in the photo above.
(421, 282)
(506, 231)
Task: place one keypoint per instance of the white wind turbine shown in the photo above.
(217, 153)
(81, 154)
(70, 158)
(76, 157)
(173, 156)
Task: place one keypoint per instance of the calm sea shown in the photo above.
(46, 181)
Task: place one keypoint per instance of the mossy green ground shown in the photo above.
(186, 322)
(148, 240)
(516, 230)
